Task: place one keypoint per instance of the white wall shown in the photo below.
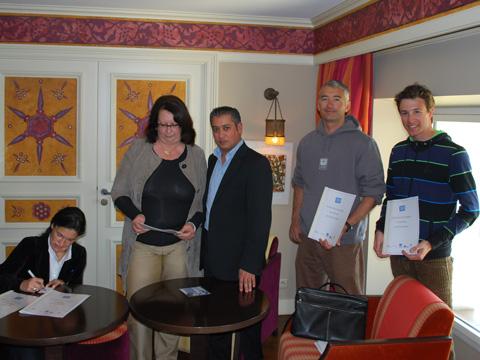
(242, 85)
(387, 131)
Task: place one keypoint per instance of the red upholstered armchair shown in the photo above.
(407, 322)
(269, 284)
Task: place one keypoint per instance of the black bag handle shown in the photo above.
(334, 285)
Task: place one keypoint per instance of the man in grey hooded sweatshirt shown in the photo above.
(338, 155)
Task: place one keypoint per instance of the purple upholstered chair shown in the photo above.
(269, 284)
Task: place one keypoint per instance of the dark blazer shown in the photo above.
(240, 217)
(32, 254)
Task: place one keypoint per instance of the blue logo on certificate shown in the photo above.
(402, 208)
(338, 200)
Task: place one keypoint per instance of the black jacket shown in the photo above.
(32, 254)
(240, 217)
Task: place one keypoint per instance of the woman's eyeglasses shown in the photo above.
(168, 126)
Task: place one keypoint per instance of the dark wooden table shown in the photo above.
(102, 312)
(163, 307)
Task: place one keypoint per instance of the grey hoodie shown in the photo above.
(347, 160)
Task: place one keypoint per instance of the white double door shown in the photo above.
(97, 73)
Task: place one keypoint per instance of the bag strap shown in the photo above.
(334, 286)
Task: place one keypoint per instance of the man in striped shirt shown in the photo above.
(428, 164)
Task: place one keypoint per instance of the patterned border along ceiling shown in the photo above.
(379, 17)
(375, 18)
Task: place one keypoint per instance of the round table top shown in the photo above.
(102, 312)
(163, 307)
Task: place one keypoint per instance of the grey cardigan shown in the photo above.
(138, 164)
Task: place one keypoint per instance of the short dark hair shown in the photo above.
(177, 107)
(337, 84)
(226, 110)
(416, 91)
(70, 217)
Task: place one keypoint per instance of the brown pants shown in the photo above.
(436, 274)
(342, 264)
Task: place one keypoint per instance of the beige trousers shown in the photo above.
(149, 264)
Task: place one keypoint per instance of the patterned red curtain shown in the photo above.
(357, 73)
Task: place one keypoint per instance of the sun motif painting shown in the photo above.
(135, 99)
(40, 126)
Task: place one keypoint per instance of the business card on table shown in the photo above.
(194, 291)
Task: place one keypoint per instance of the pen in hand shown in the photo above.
(32, 275)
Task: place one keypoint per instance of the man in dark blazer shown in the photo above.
(238, 214)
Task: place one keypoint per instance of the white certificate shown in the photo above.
(168, 231)
(12, 301)
(55, 304)
(402, 226)
(331, 215)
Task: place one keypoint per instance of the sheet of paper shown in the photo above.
(12, 301)
(194, 291)
(402, 225)
(332, 212)
(168, 231)
(55, 304)
(321, 345)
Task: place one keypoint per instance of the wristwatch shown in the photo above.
(348, 225)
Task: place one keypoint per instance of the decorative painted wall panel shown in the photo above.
(118, 278)
(40, 126)
(34, 210)
(135, 99)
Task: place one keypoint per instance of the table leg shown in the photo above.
(199, 347)
(54, 352)
(236, 346)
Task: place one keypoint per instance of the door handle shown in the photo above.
(105, 192)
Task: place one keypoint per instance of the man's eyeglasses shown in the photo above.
(168, 126)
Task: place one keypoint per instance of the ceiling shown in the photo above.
(274, 9)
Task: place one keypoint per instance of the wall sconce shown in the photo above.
(274, 128)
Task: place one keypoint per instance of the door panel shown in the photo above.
(48, 147)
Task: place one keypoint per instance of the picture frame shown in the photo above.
(280, 158)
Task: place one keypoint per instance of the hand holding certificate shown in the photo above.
(331, 215)
(402, 226)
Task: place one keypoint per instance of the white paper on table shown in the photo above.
(321, 345)
(332, 213)
(55, 304)
(168, 231)
(12, 301)
(402, 226)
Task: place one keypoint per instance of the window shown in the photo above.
(464, 126)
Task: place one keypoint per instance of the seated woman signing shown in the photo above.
(50, 259)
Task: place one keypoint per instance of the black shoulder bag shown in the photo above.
(329, 315)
